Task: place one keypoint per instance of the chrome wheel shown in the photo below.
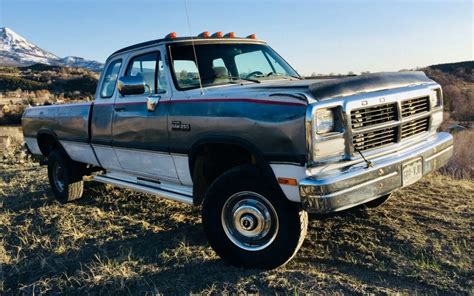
(249, 221)
(58, 176)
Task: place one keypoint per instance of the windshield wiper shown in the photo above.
(236, 79)
(283, 75)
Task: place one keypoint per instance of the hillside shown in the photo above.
(457, 80)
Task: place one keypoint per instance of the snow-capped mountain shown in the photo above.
(82, 63)
(15, 50)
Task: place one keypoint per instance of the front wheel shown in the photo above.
(65, 177)
(251, 224)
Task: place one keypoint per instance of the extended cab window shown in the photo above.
(110, 79)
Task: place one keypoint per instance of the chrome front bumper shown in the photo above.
(341, 189)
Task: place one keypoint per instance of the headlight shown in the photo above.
(324, 121)
(436, 98)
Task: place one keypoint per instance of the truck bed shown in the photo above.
(70, 122)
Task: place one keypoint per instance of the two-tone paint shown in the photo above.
(273, 119)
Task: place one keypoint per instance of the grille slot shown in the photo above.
(374, 139)
(373, 115)
(415, 127)
(415, 106)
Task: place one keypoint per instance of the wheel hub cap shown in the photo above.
(250, 221)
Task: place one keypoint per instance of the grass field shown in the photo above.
(116, 241)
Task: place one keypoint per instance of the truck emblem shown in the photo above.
(179, 126)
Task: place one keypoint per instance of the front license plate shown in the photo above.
(412, 171)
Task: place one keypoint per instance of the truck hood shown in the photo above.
(341, 87)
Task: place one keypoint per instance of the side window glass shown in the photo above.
(110, 79)
(144, 66)
(162, 79)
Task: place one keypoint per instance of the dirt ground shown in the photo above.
(116, 241)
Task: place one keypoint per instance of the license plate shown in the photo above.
(412, 171)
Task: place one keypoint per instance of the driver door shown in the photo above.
(140, 136)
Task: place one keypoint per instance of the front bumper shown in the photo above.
(345, 188)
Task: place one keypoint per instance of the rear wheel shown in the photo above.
(249, 223)
(65, 177)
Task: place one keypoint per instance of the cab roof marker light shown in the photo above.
(217, 35)
(171, 35)
(204, 34)
(230, 35)
(252, 36)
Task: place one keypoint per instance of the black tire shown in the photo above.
(245, 187)
(65, 177)
(377, 202)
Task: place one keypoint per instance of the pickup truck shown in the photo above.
(224, 123)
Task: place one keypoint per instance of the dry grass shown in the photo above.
(118, 241)
(461, 166)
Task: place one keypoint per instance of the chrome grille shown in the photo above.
(415, 106)
(415, 127)
(373, 115)
(377, 138)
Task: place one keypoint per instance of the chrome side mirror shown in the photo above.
(151, 103)
(131, 85)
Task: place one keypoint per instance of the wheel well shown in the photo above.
(212, 160)
(47, 143)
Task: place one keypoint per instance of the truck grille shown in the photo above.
(415, 127)
(373, 115)
(378, 138)
(415, 106)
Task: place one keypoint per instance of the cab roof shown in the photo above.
(186, 39)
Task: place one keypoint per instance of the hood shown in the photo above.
(325, 89)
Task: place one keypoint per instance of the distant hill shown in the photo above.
(462, 70)
(457, 81)
(15, 50)
(58, 81)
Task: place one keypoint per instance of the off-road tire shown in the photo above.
(70, 175)
(246, 183)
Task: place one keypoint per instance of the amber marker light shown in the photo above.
(230, 35)
(171, 35)
(287, 181)
(252, 36)
(217, 35)
(204, 34)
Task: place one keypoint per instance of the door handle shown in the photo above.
(151, 103)
(119, 109)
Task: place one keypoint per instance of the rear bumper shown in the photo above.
(355, 185)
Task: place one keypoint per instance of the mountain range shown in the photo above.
(15, 50)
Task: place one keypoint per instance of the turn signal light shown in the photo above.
(252, 36)
(217, 35)
(204, 34)
(287, 181)
(230, 35)
(171, 35)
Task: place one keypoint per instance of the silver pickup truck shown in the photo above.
(225, 123)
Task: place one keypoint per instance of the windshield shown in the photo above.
(226, 63)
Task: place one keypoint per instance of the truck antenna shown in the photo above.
(194, 47)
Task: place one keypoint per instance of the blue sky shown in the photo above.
(314, 36)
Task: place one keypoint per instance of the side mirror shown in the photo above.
(131, 85)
